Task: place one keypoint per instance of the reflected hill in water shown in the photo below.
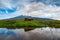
(36, 34)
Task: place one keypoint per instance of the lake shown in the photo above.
(36, 34)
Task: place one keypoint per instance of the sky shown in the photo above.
(35, 8)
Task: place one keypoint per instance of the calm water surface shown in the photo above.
(36, 34)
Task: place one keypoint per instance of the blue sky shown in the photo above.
(3, 11)
(34, 8)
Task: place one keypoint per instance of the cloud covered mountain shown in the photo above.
(23, 17)
(34, 8)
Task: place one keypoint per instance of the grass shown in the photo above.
(12, 24)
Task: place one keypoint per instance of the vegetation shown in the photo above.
(12, 24)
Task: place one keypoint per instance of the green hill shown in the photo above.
(29, 24)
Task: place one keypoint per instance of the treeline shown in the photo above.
(29, 24)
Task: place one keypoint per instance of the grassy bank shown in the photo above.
(29, 24)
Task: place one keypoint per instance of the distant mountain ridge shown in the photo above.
(23, 17)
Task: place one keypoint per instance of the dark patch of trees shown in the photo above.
(28, 19)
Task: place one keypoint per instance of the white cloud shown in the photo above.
(5, 3)
(33, 9)
(41, 10)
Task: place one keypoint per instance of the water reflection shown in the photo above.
(36, 34)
